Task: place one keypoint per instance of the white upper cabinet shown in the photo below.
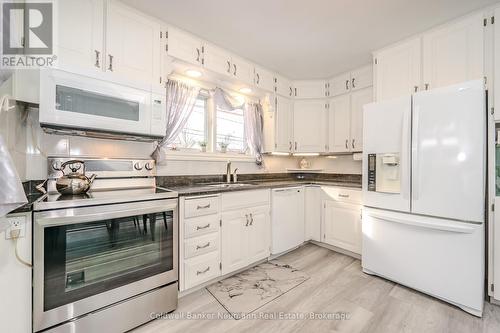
(454, 53)
(242, 70)
(283, 86)
(362, 78)
(132, 44)
(264, 79)
(184, 46)
(398, 70)
(358, 99)
(80, 40)
(309, 89)
(283, 124)
(309, 126)
(217, 59)
(340, 84)
(339, 117)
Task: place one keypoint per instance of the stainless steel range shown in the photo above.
(105, 260)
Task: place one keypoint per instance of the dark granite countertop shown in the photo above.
(31, 194)
(193, 186)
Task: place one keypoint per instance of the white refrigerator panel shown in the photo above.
(448, 152)
(440, 257)
(386, 129)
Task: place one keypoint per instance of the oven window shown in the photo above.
(85, 259)
(86, 102)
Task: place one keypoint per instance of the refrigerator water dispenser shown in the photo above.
(384, 173)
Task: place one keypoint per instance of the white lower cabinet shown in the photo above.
(245, 237)
(201, 269)
(341, 219)
(312, 213)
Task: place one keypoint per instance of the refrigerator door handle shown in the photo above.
(405, 188)
(452, 226)
(414, 154)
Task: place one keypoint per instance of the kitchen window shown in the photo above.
(230, 130)
(196, 129)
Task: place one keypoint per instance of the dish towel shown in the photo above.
(12, 193)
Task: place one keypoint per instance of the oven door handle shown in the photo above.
(96, 213)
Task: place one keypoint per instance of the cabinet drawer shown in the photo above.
(201, 269)
(199, 206)
(201, 225)
(201, 245)
(342, 194)
(242, 199)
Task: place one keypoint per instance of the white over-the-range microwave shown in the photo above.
(69, 100)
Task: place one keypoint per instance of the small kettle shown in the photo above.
(74, 182)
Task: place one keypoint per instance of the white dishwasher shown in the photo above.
(287, 219)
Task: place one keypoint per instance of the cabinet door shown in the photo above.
(132, 44)
(358, 99)
(283, 125)
(217, 60)
(184, 46)
(362, 78)
(309, 89)
(264, 79)
(309, 126)
(313, 213)
(454, 53)
(242, 69)
(398, 70)
(234, 246)
(284, 86)
(339, 115)
(340, 84)
(259, 234)
(342, 225)
(80, 34)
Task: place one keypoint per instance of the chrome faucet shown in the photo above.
(228, 172)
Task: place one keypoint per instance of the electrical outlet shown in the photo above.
(16, 223)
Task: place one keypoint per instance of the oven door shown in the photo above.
(71, 100)
(91, 257)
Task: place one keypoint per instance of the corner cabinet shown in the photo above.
(341, 218)
(309, 126)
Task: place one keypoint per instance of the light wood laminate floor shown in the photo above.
(337, 284)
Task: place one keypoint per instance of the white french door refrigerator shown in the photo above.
(424, 169)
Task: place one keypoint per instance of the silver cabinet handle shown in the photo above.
(258, 78)
(97, 56)
(427, 86)
(199, 247)
(110, 62)
(204, 227)
(415, 88)
(198, 56)
(295, 92)
(203, 207)
(234, 65)
(251, 219)
(203, 271)
(346, 144)
(352, 83)
(295, 145)
(291, 91)
(346, 84)
(290, 147)
(246, 216)
(353, 143)
(228, 67)
(344, 195)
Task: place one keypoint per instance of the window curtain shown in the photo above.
(181, 99)
(12, 193)
(252, 113)
(254, 127)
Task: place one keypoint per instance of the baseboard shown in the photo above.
(336, 249)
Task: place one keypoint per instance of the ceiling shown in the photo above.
(306, 39)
